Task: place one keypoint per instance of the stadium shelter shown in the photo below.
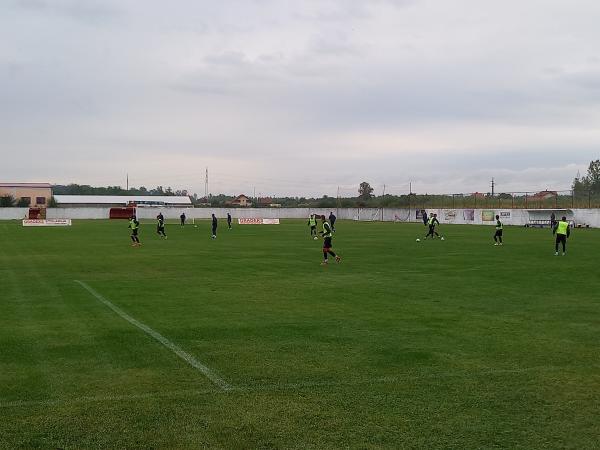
(541, 217)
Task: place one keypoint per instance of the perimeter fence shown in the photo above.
(513, 200)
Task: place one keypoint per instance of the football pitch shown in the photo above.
(246, 341)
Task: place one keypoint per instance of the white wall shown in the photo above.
(78, 213)
(13, 213)
(589, 217)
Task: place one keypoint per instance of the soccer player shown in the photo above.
(327, 234)
(160, 226)
(432, 222)
(562, 231)
(424, 217)
(332, 220)
(182, 219)
(312, 223)
(134, 225)
(229, 221)
(214, 227)
(498, 235)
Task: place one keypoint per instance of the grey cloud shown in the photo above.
(87, 11)
(337, 45)
(373, 89)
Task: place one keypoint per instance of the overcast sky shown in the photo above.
(300, 97)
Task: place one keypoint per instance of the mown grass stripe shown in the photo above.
(205, 370)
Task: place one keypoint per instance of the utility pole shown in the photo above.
(493, 184)
(339, 202)
(206, 186)
(127, 183)
(382, 200)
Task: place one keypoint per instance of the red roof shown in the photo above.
(545, 194)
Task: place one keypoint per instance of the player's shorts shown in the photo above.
(561, 238)
(327, 243)
(134, 232)
(498, 232)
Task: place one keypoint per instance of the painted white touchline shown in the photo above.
(209, 373)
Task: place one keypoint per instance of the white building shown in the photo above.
(73, 201)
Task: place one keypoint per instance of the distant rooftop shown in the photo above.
(26, 185)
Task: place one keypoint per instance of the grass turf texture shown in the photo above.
(454, 344)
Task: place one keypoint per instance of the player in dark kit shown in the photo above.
(499, 228)
(182, 219)
(562, 231)
(432, 222)
(327, 234)
(134, 225)
(160, 226)
(332, 220)
(214, 227)
(229, 221)
(424, 217)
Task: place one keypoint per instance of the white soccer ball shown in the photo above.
(418, 240)
(442, 238)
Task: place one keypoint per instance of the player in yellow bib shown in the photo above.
(562, 231)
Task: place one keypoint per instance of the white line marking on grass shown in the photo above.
(209, 373)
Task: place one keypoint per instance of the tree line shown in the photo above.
(587, 186)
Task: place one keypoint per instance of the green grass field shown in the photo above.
(454, 344)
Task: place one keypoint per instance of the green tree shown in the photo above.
(593, 175)
(591, 181)
(6, 201)
(365, 191)
(578, 185)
